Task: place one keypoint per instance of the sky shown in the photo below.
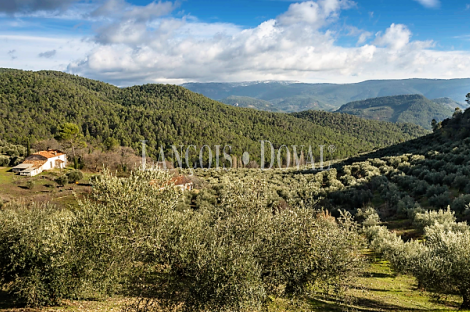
(129, 42)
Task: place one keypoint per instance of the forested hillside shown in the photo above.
(34, 104)
(445, 101)
(375, 132)
(414, 109)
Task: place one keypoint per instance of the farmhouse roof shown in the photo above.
(35, 163)
(29, 170)
(23, 166)
(50, 153)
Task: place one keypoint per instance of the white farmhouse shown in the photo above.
(40, 161)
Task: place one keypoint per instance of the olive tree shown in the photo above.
(440, 263)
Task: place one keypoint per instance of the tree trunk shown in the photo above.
(466, 300)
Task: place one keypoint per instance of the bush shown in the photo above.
(440, 264)
(30, 184)
(440, 201)
(74, 176)
(35, 254)
(460, 203)
(429, 218)
(62, 180)
(4, 161)
(367, 216)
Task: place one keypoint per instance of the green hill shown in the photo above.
(401, 108)
(34, 104)
(445, 101)
(294, 97)
(372, 131)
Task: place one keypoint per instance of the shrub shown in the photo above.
(429, 218)
(459, 204)
(440, 201)
(367, 216)
(440, 264)
(62, 180)
(407, 207)
(35, 254)
(4, 161)
(30, 184)
(74, 176)
(436, 190)
(460, 182)
(420, 188)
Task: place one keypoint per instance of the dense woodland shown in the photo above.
(378, 133)
(413, 108)
(34, 105)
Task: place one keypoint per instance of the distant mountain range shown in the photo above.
(414, 109)
(288, 96)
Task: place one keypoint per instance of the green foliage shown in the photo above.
(4, 160)
(62, 180)
(375, 132)
(41, 105)
(367, 216)
(11, 154)
(70, 134)
(30, 184)
(36, 259)
(74, 176)
(129, 237)
(111, 143)
(440, 263)
(429, 218)
(414, 109)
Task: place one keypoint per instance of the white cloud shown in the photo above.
(316, 14)
(24, 57)
(144, 44)
(429, 3)
(396, 37)
(363, 37)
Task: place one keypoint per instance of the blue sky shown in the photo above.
(134, 42)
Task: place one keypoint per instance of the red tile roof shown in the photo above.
(50, 153)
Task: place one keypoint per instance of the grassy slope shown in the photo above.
(13, 187)
(379, 289)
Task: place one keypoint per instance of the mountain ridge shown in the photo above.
(330, 96)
